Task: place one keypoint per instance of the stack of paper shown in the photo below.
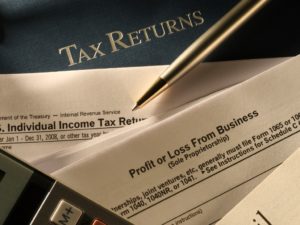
(195, 165)
(42, 113)
(191, 162)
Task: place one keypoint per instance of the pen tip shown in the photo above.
(135, 107)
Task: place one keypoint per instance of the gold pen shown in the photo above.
(202, 47)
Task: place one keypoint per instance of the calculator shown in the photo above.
(29, 197)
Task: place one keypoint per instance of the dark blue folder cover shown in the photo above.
(47, 35)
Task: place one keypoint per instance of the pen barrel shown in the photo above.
(211, 39)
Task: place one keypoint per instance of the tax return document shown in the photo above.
(57, 160)
(194, 166)
(42, 113)
(275, 201)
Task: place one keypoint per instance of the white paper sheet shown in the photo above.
(58, 160)
(43, 113)
(275, 201)
(194, 166)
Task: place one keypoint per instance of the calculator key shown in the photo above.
(65, 214)
(98, 222)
